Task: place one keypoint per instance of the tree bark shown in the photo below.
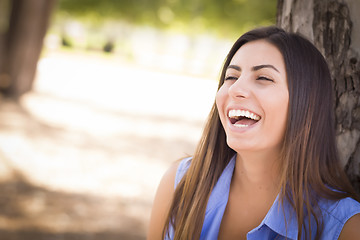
(22, 44)
(330, 25)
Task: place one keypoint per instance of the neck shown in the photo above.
(256, 171)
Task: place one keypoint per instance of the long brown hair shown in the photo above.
(310, 163)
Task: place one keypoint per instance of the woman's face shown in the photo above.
(253, 101)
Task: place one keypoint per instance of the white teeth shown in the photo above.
(240, 125)
(243, 113)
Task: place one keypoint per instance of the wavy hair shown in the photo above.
(310, 164)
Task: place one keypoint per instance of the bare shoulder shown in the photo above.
(351, 229)
(162, 201)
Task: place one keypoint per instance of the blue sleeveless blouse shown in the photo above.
(279, 223)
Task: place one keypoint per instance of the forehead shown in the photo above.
(256, 53)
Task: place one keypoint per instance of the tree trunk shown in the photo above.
(330, 25)
(22, 44)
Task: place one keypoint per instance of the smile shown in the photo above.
(243, 118)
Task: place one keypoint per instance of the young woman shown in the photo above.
(266, 166)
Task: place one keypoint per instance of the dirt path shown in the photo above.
(82, 154)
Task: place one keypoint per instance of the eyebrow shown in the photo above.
(234, 67)
(254, 68)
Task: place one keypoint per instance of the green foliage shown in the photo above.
(221, 16)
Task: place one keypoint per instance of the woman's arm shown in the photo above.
(161, 205)
(351, 229)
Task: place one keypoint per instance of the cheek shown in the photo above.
(277, 110)
(220, 100)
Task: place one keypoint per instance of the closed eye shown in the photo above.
(231, 78)
(265, 78)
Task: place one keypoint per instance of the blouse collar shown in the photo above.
(281, 218)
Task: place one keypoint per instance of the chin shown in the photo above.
(242, 145)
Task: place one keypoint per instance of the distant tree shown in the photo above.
(227, 17)
(333, 26)
(21, 43)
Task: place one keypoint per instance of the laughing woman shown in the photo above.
(266, 166)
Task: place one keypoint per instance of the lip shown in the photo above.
(243, 129)
(241, 108)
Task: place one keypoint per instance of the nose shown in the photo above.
(240, 88)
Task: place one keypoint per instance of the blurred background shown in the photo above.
(98, 98)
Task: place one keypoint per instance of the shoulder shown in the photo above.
(182, 168)
(162, 202)
(351, 229)
(340, 216)
(340, 209)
